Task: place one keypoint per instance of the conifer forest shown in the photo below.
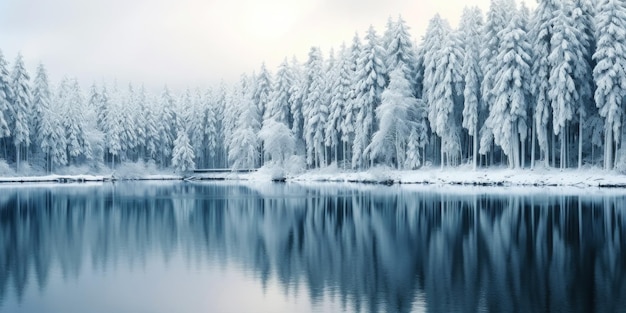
(509, 87)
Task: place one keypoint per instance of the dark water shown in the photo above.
(177, 247)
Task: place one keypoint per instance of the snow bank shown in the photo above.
(459, 176)
(482, 177)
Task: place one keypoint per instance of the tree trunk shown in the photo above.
(553, 141)
(608, 149)
(475, 152)
(563, 144)
(17, 159)
(523, 155)
(580, 140)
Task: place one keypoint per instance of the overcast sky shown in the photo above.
(193, 42)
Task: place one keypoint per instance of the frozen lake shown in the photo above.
(227, 247)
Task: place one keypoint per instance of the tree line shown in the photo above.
(515, 87)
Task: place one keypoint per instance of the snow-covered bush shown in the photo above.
(296, 164)
(5, 169)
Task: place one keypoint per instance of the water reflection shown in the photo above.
(373, 249)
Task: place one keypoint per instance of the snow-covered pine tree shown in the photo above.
(296, 100)
(395, 123)
(541, 32)
(314, 109)
(471, 30)
(211, 128)
(371, 80)
(166, 126)
(93, 135)
(508, 114)
(430, 47)
(221, 159)
(243, 152)
(40, 103)
(182, 153)
(47, 121)
(610, 72)
(128, 135)
(108, 120)
(400, 52)
(329, 76)
(588, 114)
(445, 97)
(339, 97)
(197, 124)
(140, 122)
(52, 139)
(6, 95)
(350, 109)
(570, 72)
(497, 20)
(262, 89)
(21, 109)
(151, 127)
(279, 107)
(74, 122)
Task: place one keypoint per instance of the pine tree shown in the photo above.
(6, 96)
(150, 113)
(497, 19)
(243, 150)
(371, 80)
(262, 90)
(588, 114)
(197, 120)
(395, 121)
(569, 74)
(432, 43)
(108, 120)
(446, 98)
(610, 71)
(139, 118)
(339, 97)
(296, 99)
(47, 121)
(74, 123)
(166, 126)
(314, 110)
(21, 108)
(350, 110)
(400, 52)
(471, 26)
(542, 31)
(128, 134)
(40, 103)
(182, 153)
(279, 106)
(507, 117)
(211, 126)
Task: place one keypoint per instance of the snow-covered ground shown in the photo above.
(464, 175)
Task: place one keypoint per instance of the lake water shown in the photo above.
(186, 247)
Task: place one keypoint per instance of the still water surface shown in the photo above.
(182, 247)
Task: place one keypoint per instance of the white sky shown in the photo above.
(189, 43)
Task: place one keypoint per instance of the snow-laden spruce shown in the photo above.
(401, 119)
(610, 72)
(182, 154)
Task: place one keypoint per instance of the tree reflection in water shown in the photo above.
(374, 248)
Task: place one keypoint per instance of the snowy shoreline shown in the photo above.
(82, 178)
(464, 176)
